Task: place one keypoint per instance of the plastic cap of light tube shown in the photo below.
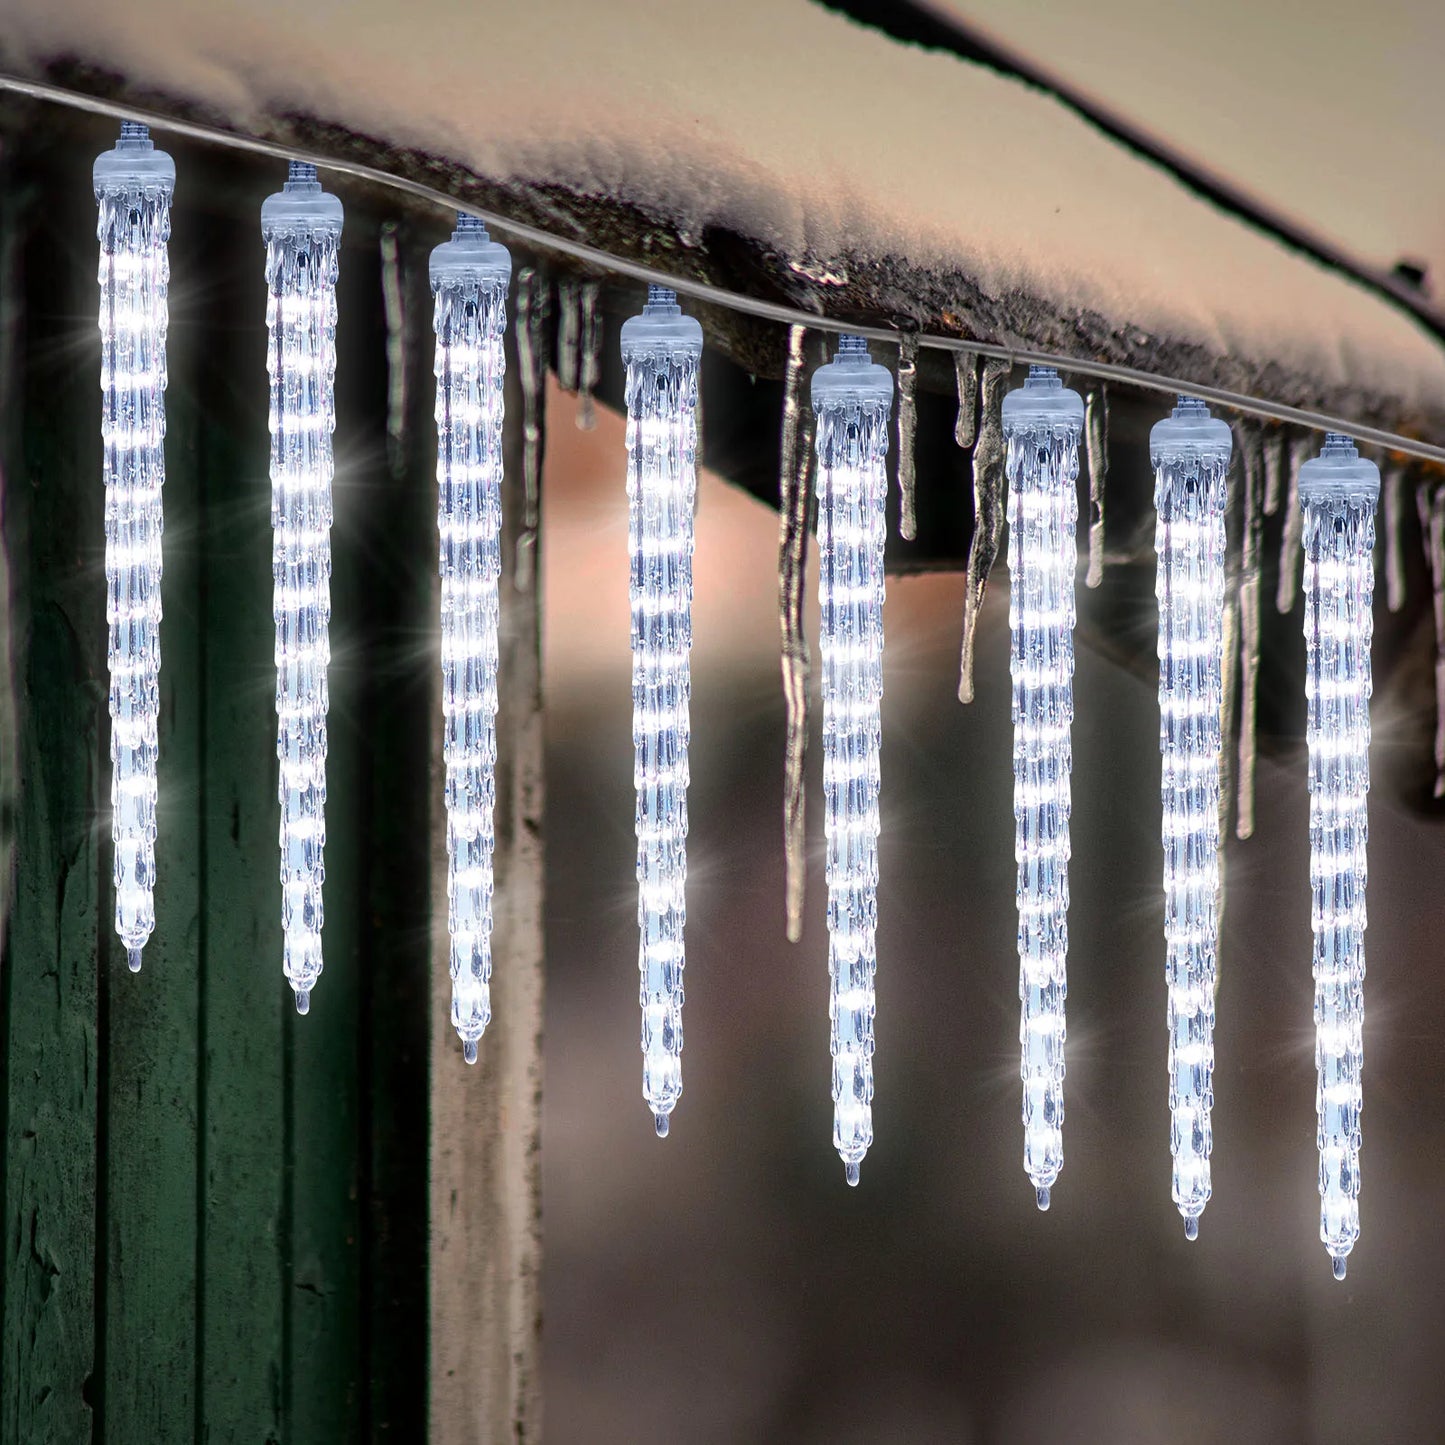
(1189, 428)
(660, 326)
(851, 376)
(1042, 398)
(1339, 473)
(301, 205)
(470, 257)
(134, 162)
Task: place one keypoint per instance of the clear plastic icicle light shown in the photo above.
(301, 226)
(1338, 491)
(469, 277)
(661, 349)
(1042, 423)
(852, 400)
(134, 184)
(1190, 453)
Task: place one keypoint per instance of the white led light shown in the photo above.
(852, 399)
(134, 184)
(661, 349)
(1042, 423)
(1190, 452)
(1338, 492)
(469, 276)
(301, 226)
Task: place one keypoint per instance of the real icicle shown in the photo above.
(1096, 431)
(661, 349)
(1338, 492)
(531, 334)
(1289, 547)
(1273, 472)
(469, 277)
(1190, 453)
(795, 498)
(965, 371)
(569, 332)
(990, 486)
(393, 305)
(590, 366)
(134, 184)
(301, 226)
(1251, 527)
(1043, 423)
(907, 437)
(1394, 493)
(1431, 502)
(852, 399)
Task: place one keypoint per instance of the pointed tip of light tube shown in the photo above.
(660, 1120)
(303, 1001)
(132, 959)
(1043, 1199)
(851, 1172)
(469, 1050)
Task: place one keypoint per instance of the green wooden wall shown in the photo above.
(214, 1212)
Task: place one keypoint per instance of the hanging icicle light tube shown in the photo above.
(1190, 453)
(134, 184)
(661, 349)
(1042, 424)
(1338, 492)
(852, 400)
(301, 226)
(469, 278)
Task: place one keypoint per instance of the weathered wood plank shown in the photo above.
(52, 520)
(486, 1120)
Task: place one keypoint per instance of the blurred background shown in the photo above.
(727, 1286)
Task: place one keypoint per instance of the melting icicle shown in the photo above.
(907, 437)
(393, 304)
(661, 349)
(1289, 547)
(1273, 472)
(1043, 424)
(852, 399)
(990, 483)
(1338, 491)
(134, 184)
(590, 372)
(965, 371)
(569, 333)
(1190, 453)
(1096, 431)
(469, 276)
(795, 497)
(531, 332)
(1251, 526)
(301, 226)
(1431, 500)
(1394, 489)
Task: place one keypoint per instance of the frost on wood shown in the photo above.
(1338, 492)
(1043, 424)
(1190, 453)
(1096, 433)
(852, 399)
(990, 483)
(134, 184)
(795, 499)
(907, 437)
(469, 276)
(301, 226)
(661, 349)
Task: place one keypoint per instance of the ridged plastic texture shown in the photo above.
(1190, 451)
(134, 184)
(1338, 492)
(661, 349)
(852, 400)
(301, 227)
(1042, 424)
(469, 276)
